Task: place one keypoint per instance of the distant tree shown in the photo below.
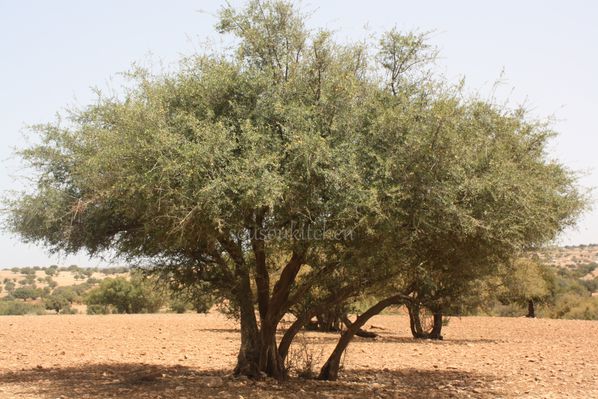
(198, 298)
(51, 282)
(93, 281)
(67, 292)
(135, 296)
(529, 283)
(25, 293)
(88, 272)
(56, 302)
(9, 286)
(73, 268)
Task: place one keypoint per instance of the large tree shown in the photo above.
(263, 173)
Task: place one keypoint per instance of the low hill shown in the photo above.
(574, 258)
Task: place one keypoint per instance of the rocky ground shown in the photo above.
(190, 356)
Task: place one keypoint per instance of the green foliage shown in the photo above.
(12, 307)
(124, 296)
(217, 175)
(93, 281)
(583, 270)
(51, 283)
(98, 309)
(114, 270)
(29, 279)
(9, 285)
(560, 293)
(528, 280)
(25, 293)
(571, 306)
(179, 305)
(57, 302)
(87, 272)
(28, 271)
(73, 293)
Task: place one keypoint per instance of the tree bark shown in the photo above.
(360, 332)
(436, 332)
(248, 360)
(415, 321)
(271, 362)
(531, 311)
(339, 296)
(289, 336)
(262, 278)
(330, 369)
(417, 330)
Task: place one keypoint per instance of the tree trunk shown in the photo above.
(330, 369)
(360, 332)
(259, 352)
(415, 323)
(289, 335)
(271, 362)
(302, 320)
(328, 321)
(437, 327)
(531, 312)
(249, 353)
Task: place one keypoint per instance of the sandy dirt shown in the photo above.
(191, 356)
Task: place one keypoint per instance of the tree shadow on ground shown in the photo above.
(332, 338)
(137, 380)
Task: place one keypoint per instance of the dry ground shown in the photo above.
(190, 356)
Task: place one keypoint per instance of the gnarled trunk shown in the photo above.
(270, 362)
(417, 329)
(248, 360)
(331, 368)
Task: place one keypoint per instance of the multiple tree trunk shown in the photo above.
(415, 323)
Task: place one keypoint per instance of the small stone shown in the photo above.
(212, 382)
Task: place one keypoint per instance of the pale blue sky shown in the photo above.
(52, 52)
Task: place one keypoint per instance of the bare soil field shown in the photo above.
(191, 356)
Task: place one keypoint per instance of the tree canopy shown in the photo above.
(263, 173)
